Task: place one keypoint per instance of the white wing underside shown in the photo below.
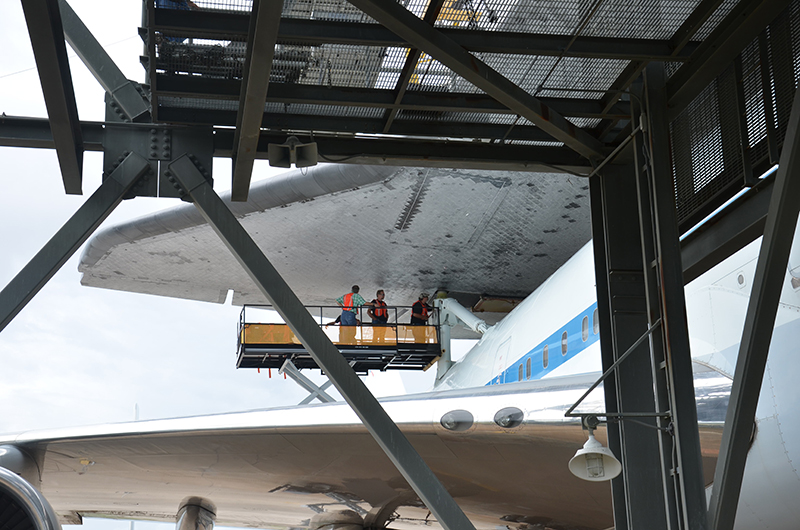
(401, 229)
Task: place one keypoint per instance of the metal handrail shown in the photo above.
(391, 323)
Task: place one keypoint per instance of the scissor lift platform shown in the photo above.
(366, 347)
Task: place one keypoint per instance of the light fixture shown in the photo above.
(457, 420)
(594, 462)
(509, 417)
(292, 152)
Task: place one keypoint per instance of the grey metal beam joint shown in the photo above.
(126, 93)
(327, 356)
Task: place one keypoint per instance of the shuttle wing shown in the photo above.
(326, 228)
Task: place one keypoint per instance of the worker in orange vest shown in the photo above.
(350, 303)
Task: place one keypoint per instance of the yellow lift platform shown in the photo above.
(394, 346)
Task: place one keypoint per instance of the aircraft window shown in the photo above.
(585, 329)
(528, 368)
(545, 353)
(564, 343)
(520, 372)
(595, 322)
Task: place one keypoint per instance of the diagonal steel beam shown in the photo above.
(410, 66)
(739, 28)
(271, 284)
(69, 238)
(104, 70)
(264, 20)
(421, 35)
(769, 279)
(307, 384)
(47, 39)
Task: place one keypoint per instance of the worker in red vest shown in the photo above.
(378, 311)
(419, 317)
(380, 317)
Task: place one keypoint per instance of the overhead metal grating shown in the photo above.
(337, 72)
(710, 150)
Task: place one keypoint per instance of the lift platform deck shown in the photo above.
(391, 347)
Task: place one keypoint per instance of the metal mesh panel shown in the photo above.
(457, 117)
(713, 21)
(343, 65)
(198, 103)
(706, 142)
(653, 19)
(177, 55)
(323, 110)
(697, 152)
(754, 102)
(783, 71)
(338, 10)
(217, 5)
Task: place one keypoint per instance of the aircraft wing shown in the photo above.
(277, 468)
(471, 232)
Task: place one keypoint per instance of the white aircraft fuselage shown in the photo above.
(553, 333)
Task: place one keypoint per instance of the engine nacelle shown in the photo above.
(22, 506)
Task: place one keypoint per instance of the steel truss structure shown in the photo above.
(694, 101)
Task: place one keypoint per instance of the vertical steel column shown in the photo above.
(643, 499)
(673, 307)
(69, 238)
(644, 191)
(758, 327)
(378, 423)
(50, 52)
(606, 344)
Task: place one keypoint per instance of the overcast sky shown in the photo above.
(77, 355)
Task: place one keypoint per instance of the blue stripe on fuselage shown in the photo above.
(575, 345)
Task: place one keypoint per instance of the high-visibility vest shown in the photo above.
(379, 309)
(348, 302)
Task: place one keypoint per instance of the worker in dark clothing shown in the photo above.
(380, 316)
(419, 311)
(419, 317)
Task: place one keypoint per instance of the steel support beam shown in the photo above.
(104, 70)
(639, 500)
(307, 384)
(229, 89)
(691, 491)
(318, 124)
(738, 225)
(737, 30)
(758, 327)
(212, 24)
(312, 397)
(50, 52)
(327, 356)
(30, 280)
(408, 26)
(35, 133)
(264, 20)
